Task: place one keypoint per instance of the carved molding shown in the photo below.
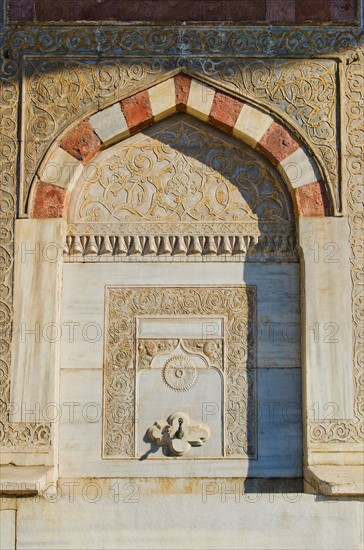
(213, 41)
(123, 305)
(113, 248)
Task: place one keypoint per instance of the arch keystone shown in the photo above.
(163, 99)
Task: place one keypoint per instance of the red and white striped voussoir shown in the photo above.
(186, 94)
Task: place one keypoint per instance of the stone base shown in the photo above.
(19, 481)
(117, 515)
(336, 480)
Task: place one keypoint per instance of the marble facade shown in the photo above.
(182, 333)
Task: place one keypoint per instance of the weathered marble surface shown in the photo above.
(129, 516)
(336, 480)
(24, 480)
(279, 432)
(7, 530)
(82, 321)
(35, 345)
(327, 308)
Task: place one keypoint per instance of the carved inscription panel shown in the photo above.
(180, 348)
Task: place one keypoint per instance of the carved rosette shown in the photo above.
(179, 373)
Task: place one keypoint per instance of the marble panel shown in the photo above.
(179, 328)
(327, 308)
(279, 431)
(279, 424)
(157, 401)
(36, 341)
(216, 516)
(8, 528)
(278, 321)
(80, 426)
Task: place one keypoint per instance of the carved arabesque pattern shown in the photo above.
(59, 91)
(303, 90)
(211, 349)
(131, 41)
(237, 304)
(178, 44)
(182, 173)
(22, 434)
(148, 349)
(347, 430)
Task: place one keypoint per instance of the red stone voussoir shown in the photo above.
(82, 142)
(50, 201)
(225, 111)
(137, 111)
(311, 200)
(182, 84)
(277, 143)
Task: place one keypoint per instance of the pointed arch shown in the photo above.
(65, 161)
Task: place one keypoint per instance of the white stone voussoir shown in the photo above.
(163, 99)
(299, 169)
(251, 125)
(200, 99)
(109, 123)
(61, 169)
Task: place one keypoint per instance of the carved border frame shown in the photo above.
(125, 304)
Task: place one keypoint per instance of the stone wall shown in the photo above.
(248, 11)
(56, 78)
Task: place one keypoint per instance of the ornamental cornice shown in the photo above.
(181, 41)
